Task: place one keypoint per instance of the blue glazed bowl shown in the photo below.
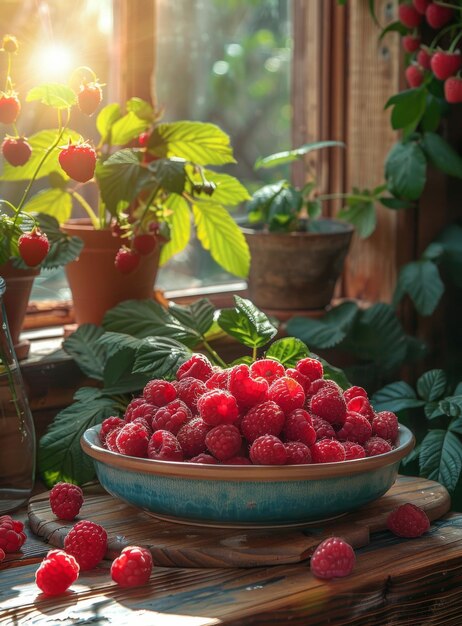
(247, 495)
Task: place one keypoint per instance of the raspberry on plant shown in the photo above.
(126, 261)
(266, 418)
(144, 243)
(16, 150)
(424, 59)
(376, 445)
(89, 97)
(356, 428)
(56, 573)
(33, 247)
(248, 391)
(10, 107)
(268, 450)
(269, 369)
(159, 392)
(192, 437)
(78, 161)
(197, 366)
(218, 407)
(287, 393)
(224, 441)
(297, 453)
(66, 500)
(333, 558)
(164, 446)
(437, 15)
(133, 567)
(172, 416)
(408, 520)
(329, 404)
(298, 427)
(133, 439)
(311, 368)
(421, 5)
(453, 89)
(87, 542)
(408, 16)
(327, 451)
(445, 64)
(414, 75)
(411, 43)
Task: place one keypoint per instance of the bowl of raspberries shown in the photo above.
(248, 445)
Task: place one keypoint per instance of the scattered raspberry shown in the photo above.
(132, 440)
(131, 406)
(164, 446)
(298, 427)
(87, 542)
(224, 441)
(218, 380)
(172, 416)
(408, 520)
(329, 404)
(287, 393)
(376, 445)
(323, 429)
(353, 450)
(268, 450)
(192, 437)
(354, 392)
(297, 453)
(218, 407)
(205, 459)
(247, 391)
(132, 568)
(311, 368)
(2, 555)
(327, 451)
(189, 390)
(333, 558)
(269, 369)
(362, 406)
(56, 572)
(111, 440)
(66, 500)
(266, 418)
(356, 428)
(385, 425)
(159, 392)
(12, 536)
(108, 425)
(198, 366)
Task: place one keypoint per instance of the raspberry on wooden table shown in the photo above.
(12, 536)
(133, 567)
(269, 369)
(198, 366)
(333, 558)
(164, 446)
(87, 542)
(56, 572)
(327, 451)
(268, 450)
(218, 407)
(159, 392)
(408, 520)
(287, 393)
(66, 500)
(224, 441)
(266, 418)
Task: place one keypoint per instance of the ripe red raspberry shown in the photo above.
(453, 89)
(218, 407)
(111, 440)
(131, 406)
(269, 369)
(298, 427)
(362, 406)
(354, 392)
(268, 450)
(437, 15)
(424, 59)
(376, 445)
(304, 381)
(266, 418)
(356, 428)
(133, 567)
(144, 244)
(132, 440)
(2, 555)
(408, 16)
(297, 453)
(385, 425)
(145, 410)
(109, 424)
(421, 5)
(66, 500)
(204, 459)
(89, 97)
(126, 261)
(408, 520)
(78, 161)
(198, 366)
(56, 572)
(190, 389)
(333, 558)
(16, 150)
(10, 107)
(144, 422)
(224, 441)
(33, 247)
(159, 392)
(287, 393)
(414, 75)
(445, 64)
(12, 536)
(411, 43)
(353, 450)
(323, 429)
(327, 451)
(164, 446)
(323, 383)
(238, 460)
(329, 404)
(192, 437)
(171, 417)
(218, 380)
(247, 391)
(87, 542)
(311, 368)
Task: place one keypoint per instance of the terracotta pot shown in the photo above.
(95, 284)
(19, 284)
(296, 271)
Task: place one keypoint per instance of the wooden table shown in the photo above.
(395, 581)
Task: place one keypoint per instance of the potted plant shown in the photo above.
(296, 258)
(149, 183)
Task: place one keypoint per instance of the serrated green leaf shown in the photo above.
(326, 332)
(63, 248)
(219, 233)
(83, 348)
(451, 241)
(422, 282)
(362, 215)
(127, 128)
(120, 178)
(288, 156)
(288, 351)
(169, 174)
(440, 458)
(54, 95)
(107, 117)
(160, 357)
(247, 324)
(198, 316)
(442, 155)
(406, 170)
(396, 397)
(452, 406)
(433, 111)
(56, 202)
(433, 410)
(180, 227)
(431, 385)
(141, 108)
(456, 426)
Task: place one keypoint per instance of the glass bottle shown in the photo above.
(17, 433)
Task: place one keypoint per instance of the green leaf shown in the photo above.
(371, 5)
(288, 351)
(247, 324)
(405, 170)
(120, 178)
(433, 110)
(169, 174)
(395, 203)
(54, 95)
(440, 458)
(408, 108)
(198, 316)
(442, 155)
(141, 108)
(56, 202)
(219, 233)
(127, 128)
(327, 331)
(431, 385)
(228, 192)
(199, 142)
(180, 227)
(433, 252)
(362, 214)
(452, 406)
(60, 456)
(433, 410)
(288, 156)
(421, 281)
(160, 357)
(451, 241)
(107, 117)
(63, 248)
(456, 426)
(83, 348)
(393, 27)
(277, 204)
(396, 397)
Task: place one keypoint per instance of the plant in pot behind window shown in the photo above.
(150, 184)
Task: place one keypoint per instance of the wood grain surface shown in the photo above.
(179, 545)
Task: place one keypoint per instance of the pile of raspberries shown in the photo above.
(263, 414)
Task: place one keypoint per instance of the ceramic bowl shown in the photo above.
(245, 495)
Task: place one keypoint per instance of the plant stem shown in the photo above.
(8, 72)
(454, 42)
(213, 353)
(149, 202)
(254, 353)
(91, 214)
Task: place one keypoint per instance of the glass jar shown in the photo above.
(17, 433)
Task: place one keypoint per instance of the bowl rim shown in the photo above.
(91, 445)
